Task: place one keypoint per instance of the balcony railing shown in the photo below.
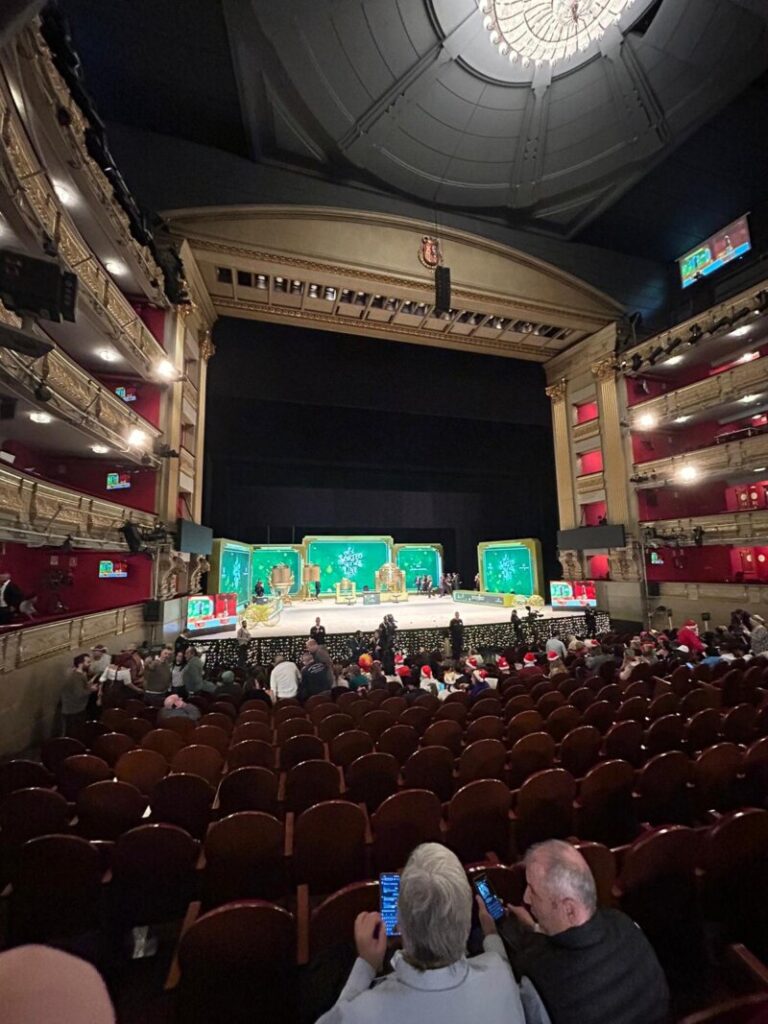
(590, 482)
(720, 528)
(33, 194)
(581, 431)
(706, 394)
(716, 460)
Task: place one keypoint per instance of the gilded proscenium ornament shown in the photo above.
(207, 348)
(557, 391)
(604, 369)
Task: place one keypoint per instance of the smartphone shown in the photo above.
(389, 892)
(488, 895)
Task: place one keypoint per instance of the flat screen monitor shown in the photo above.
(118, 481)
(193, 538)
(211, 611)
(715, 252)
(112, 570)
(573, 594)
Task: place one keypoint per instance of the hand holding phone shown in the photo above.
(488, 895)
(389, 893)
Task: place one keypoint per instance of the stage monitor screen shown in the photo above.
(510, 567)
(193, 538)
(266, 556)
(719, 249)
(127, 392)
(234, 574)
(352, 558)
(118, 481)
(206, 611)
(112, 570)
(573, 594)
(419, 560)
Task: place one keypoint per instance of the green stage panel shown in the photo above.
(266, 556)
(230, 570)
(510, 566)
(419, 560)
(352, 558)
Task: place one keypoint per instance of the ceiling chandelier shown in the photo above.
(548, 30)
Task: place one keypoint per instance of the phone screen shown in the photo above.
(389, 888)
(492, 902)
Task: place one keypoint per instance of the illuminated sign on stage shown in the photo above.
(727, 245)
(419, 560)
(353, 558)
(266, 556)
(573, 594)
(510, 566)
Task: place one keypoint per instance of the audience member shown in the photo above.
(320, 654)
(758, 640)
(192, 674)
(40, 984)
(10, 598)
(176, 707)
(285, 678)
(554, 643)
(100, 659)
(316, 675)
(317, 632)
(177, 672)
(243, 639)
(76, 693)
(432, 978)
(157, 677)
(689, 637)
(590, 965)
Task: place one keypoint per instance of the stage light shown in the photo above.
(748, 357)
(674, 360)
(637, 362)
(99, 449)
(108, 355)
(166, 369)
(137, 438)
(330, 294)
(262, 281)
(681, 419)
(647, 421)
(740, 331)
(43, 393)
(762, 301)
(688, 474)
(696, 333)
(40, 417)
(760, 469)
(655, 354)
(296, 287)
(66, 195)
(749, 398)
(116, 267)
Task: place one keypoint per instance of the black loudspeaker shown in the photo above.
(152, 611)
(133, 538)
(7, 408)
(442, 290)
(654, 589)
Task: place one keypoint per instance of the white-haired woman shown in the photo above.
(432, 979)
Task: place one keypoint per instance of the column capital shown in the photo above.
(557, 390)
(207, 348)
(604, 369)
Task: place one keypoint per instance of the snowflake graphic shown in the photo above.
(350, 562)
(506, 566)
(237, 571)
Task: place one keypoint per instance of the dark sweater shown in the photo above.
(603, 972)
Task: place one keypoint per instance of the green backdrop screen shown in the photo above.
(233, 573)
(419, 560)
(352, 558)
(266, 557)
(508, 567)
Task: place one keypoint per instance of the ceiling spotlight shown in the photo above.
(99, 449)
(43, 393)
(762, 300)
(674, 360)
(688, 474)
(66, 195)
(116, 267)
(760, 469)
(40, 417)
(696, 332)
(637, 362)
(655, 354)
(681, 419)
(647, 421)
(748, 357)
(137, 438)
(749, 398)
(166, 369)
(108, 355)
(740, 331)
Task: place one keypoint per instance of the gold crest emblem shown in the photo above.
(430, 253)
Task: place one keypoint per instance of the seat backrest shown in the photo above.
(107, 809)
(531, 753)
(624, 740)
(329, 846)
(55, 750)
(318, 712)
(430, 768)
(217, 720)
(28, 813)
(740, 724)
(489, 727)
(136, 728)
(485, 706)
(333, 921)
(164, 741)
(184, 800)
(347, 746)
(702, 729)
(400, 741)
(583, 697)
(253, 711)
(334, 725)
(401, 823)
(22, 774)
(603, 867)
(252, 788)
(443, 734)
(310, 783)
(203, 760)
(244, 858)
(561, 721)
(714, 776)
(394, 705)
(418, 717)
(632, 709)
(294, 727)
(317, 701)
(79, 771)
(483, 759)
(666, 733)
(516, 704)
(142, 768)
(605, 784)
(478, 820)
(111, 746)
(252, 731)
(544, 807)
(669, 851)
(523, 723)
(371, 778)
(580, 749)
(375, 722)
(300, 748)
(211, 736)
(153, 873)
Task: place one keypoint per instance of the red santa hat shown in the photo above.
(689, 623)
(402, 671)
(426, 671)
(552, 655)
(503, 663)
(399, 658)
(483, 674)
(472, 661)
(530, 658)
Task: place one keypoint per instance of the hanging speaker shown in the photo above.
(442, 289)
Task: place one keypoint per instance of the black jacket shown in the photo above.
(603, 972)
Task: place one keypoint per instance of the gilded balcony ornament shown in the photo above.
(207, 348)
(571, 565)
(556, 392)
(604, 369)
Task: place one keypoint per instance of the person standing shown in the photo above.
(10, 598)
(590, 621)
(318, 631)
(517, 626)
(100, 659)
(192, 676)
(157, 677)
(456, 631)
(76, 693)
(477, 581)
(243, 639)
(285, 678)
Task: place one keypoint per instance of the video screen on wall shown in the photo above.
(234, 575)
(573, 593)
(719, 249)
(112, 570)
(118, 481)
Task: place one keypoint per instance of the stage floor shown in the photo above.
(416, 613)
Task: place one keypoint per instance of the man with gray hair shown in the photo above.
(432, 978)
(590, 965)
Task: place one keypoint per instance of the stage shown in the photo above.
(415, 613)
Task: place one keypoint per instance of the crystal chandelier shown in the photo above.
(548, 30)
